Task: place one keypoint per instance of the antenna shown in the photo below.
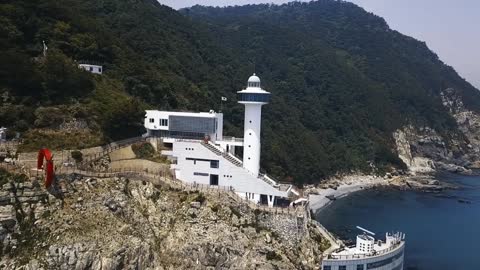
(365, 230)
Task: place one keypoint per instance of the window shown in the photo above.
(163, 122)
(327, 267)
(214, 164)
(91, 68)
(100, 70)
(342, 267)
(213, 179)
(200, 174)
(359, 266)
(151, 120)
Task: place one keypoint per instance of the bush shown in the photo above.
(77, 156)
(143, 150)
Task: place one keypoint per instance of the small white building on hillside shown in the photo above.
(95, 69)
(201, 154)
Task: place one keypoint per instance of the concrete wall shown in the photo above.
(122, 153)
(139, 165)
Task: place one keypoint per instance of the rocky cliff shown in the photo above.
(119, 223)
(424, 150)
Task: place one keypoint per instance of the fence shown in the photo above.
(99, 152)
(161, 177)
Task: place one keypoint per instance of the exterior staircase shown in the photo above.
(219, 152)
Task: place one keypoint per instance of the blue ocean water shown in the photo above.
(442, 233)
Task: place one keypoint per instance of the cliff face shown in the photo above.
(423, 150)
(122, 224)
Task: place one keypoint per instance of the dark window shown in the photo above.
(214, 164)
(100, 70)
(254, 97)
(359, 266)
(163, 122)
(192, 124)
(200, 174)
(91, 68)
(327, 267)
(342, 267)
(152, 120)
(213, 179)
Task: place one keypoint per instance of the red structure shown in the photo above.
(45, 154)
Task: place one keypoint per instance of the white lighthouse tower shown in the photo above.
(254, 97)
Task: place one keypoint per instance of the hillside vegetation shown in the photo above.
(342, 81)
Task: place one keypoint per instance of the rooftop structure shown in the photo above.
(369, 253)
(201, 154)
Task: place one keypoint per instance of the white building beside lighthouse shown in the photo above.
(201, 154)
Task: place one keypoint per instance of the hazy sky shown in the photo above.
(451, 28)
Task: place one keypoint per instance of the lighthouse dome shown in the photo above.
(253, 81)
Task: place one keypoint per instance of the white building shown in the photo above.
(369, 254)
(3, 134)
(201, 154)
(95, 69)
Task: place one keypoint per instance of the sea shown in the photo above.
(442, 229)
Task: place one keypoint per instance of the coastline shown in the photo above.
(339, 187)
(348, 184)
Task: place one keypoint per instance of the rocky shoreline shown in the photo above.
(341, 186)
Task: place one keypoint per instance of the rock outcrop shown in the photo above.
(119, 223)
(423, 150)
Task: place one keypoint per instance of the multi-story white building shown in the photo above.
(369, 254)
(201, 154)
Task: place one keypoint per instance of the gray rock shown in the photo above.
(196, 205)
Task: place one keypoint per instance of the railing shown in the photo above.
(108, 148)
(268, 180)
(363, 256)
(232, 139)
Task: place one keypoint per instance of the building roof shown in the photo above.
(190, 114)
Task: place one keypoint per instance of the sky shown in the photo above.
(451, 28)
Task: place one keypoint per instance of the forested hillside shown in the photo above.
(341, 80)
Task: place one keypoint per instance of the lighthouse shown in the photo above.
(253, 97)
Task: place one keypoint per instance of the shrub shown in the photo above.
(77, 156)
(143, 150)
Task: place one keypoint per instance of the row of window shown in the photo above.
(227, 176)
(342, 267)
(189, 149)
(254, 97)
(200, 174)
(163, 122)
(215, 164)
